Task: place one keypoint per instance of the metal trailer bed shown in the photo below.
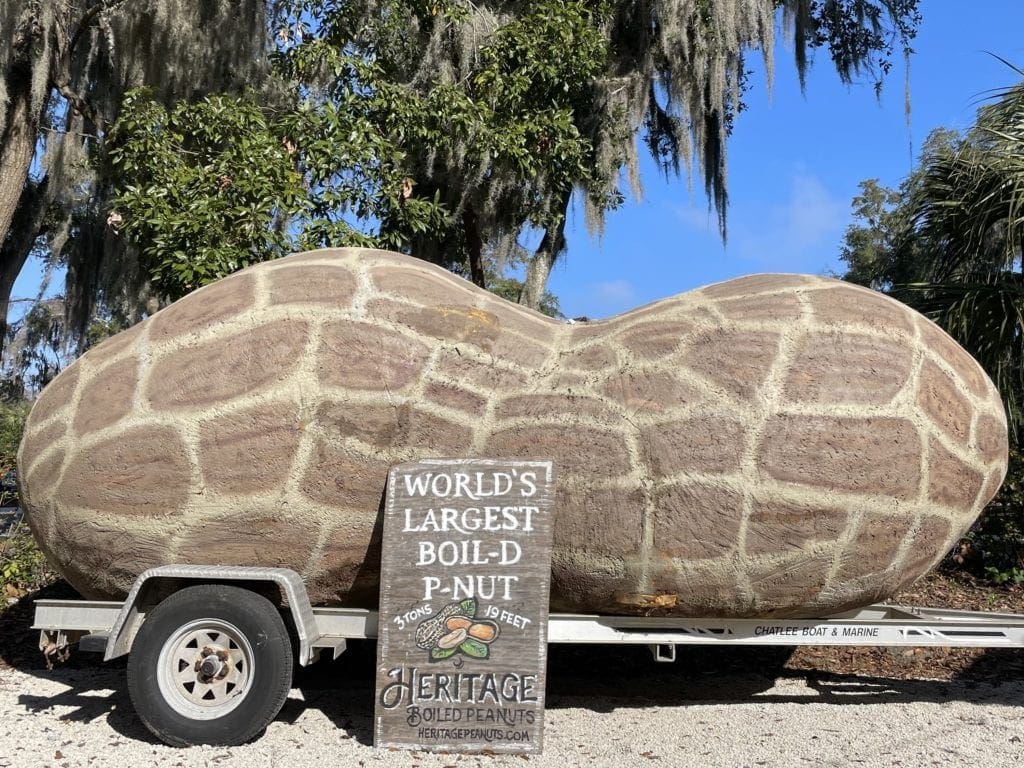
(152, 623)
(877, 625)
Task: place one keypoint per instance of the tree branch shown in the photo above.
(33, 205)
(87, 17)
(62, 81)
(81, 105)
(474, 246)
(79, 134)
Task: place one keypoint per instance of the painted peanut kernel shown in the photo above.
(775, 445)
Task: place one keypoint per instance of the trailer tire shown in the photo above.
(211, 664)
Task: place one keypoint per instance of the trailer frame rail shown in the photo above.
(877, 625)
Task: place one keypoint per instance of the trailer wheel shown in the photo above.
(211, 664)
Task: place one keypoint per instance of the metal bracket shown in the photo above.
(94, 642)
(663, 652)
(54, 645)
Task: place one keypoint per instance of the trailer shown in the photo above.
(211, 649)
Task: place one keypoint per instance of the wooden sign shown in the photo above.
(465, 579)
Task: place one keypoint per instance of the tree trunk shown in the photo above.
(9, 271)
(17, 145)
(27, 223)
(474, 246)
(539, 268)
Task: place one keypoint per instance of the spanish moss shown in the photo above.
(76, 59)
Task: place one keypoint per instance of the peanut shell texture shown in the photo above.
(774, 445)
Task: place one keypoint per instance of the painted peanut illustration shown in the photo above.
(455, 629)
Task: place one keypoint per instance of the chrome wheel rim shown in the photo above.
(205, 669)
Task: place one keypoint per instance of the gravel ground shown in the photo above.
(607, 706)
(600, 712)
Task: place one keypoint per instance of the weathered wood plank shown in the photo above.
(465, 580)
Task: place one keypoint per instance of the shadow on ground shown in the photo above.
(19, 643)
(597, 678)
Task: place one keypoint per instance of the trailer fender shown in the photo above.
(156, 583)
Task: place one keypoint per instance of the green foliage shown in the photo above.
(39, 347)
(12, 426)
(446, 128)
(351, 148)
(883, 248)
(400, 155)
(509, 288)
(205, 189)
(23, 567)
(211, 187)
(73, 61)
(501, 281)
(373, 155)
(948, 242)
(856, 34)
(994, 547)
(101, 329)
(879, 218)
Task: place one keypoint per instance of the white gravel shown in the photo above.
(82, 717)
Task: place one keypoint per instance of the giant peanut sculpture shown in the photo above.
(776, 445)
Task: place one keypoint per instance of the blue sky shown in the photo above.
(795, 161)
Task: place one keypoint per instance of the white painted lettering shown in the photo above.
(430, 585)
(416, 485)
(529, 480)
